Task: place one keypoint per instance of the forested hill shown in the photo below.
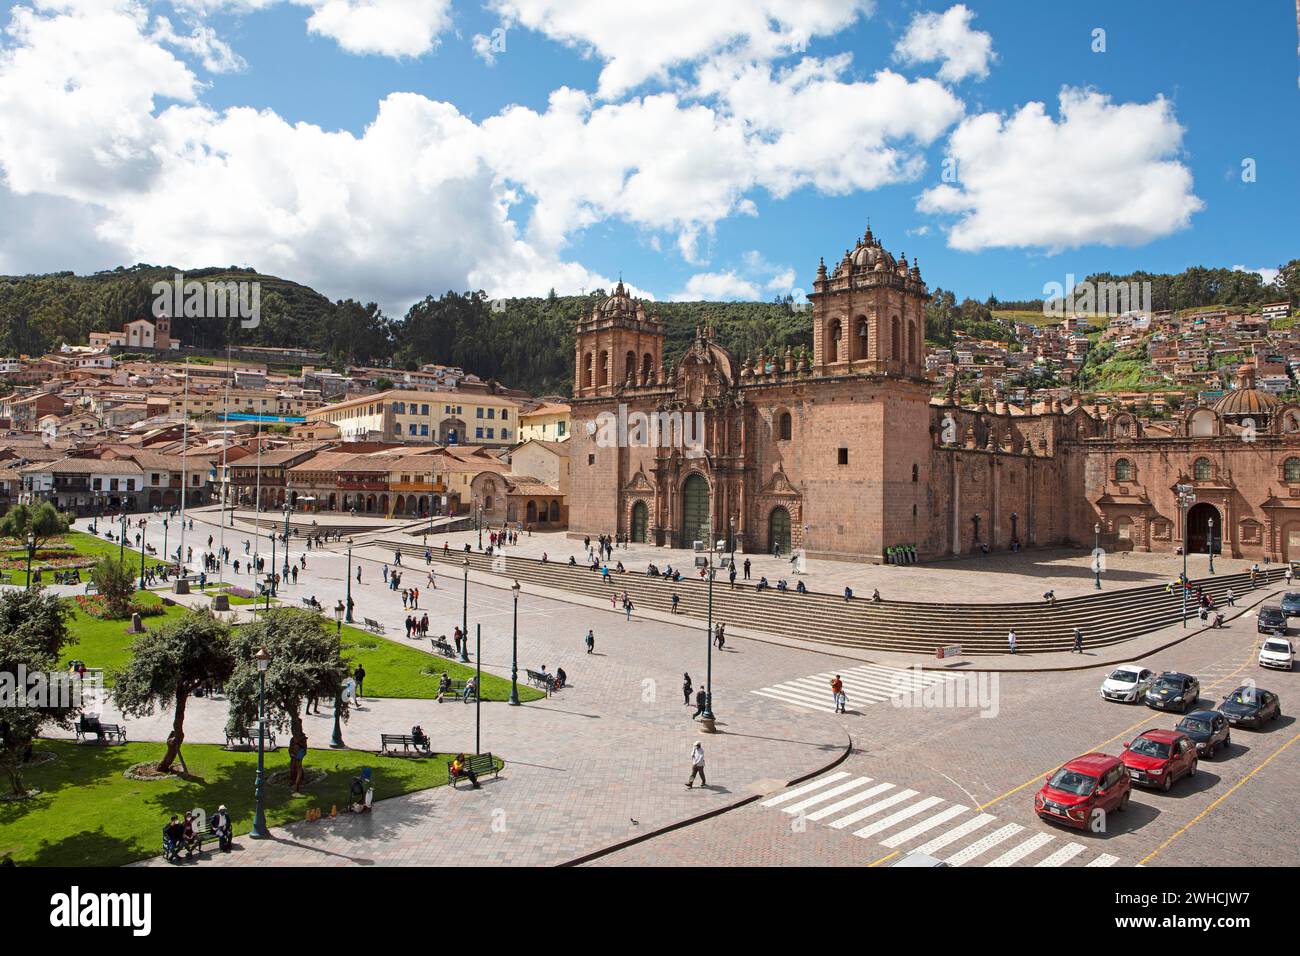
(523, 342)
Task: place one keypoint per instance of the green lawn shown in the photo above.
(88, 814)
(87, 545)
(398, 670)
(105, 643)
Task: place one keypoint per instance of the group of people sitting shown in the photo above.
(185, 836)
(557, 680)
(668, 574)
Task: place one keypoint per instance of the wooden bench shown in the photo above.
(101, 732)
(543, 681)
(479, 764)
(314, 605)
(67, 577)
(456, 688)
(407, 742)
(247, 736)
(442, 647)
(373, 626)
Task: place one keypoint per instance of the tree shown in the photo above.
(168, 665)
(306, 662)
(44, 521)
(33, 632)
(115, 583)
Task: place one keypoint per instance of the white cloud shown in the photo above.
(1103, 173)
(483, 48)
(644, 41)
(948, 37)
(1264, 272)
(393, 28)
(213, 52)
(711, 286)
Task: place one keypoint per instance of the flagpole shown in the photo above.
(185, 461)
(225, 445)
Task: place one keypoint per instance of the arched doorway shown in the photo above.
(1290, 535)
(531, 512)
(695, 510)
(778, 529)
(1198, 528)
(640, 522)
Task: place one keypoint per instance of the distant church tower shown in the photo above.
(869, 314)
(617, 345)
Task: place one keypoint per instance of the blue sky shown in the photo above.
(372, 151)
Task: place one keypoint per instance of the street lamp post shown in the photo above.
(708, 672)
(1185, 499)
(514, 651)
(259, 831)
(1209, 545)
(121, 545)
(269, 585)
(336, 740)
(166, 556)
(1096, 556)
(478, 522)
(31, 554)
(348, 616)
(143, 540)
(464, 619)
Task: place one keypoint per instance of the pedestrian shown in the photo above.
(1011, 640)
(358, 574)
(590, 641)
(747, 569)
(701, 703)
(385, 573)
(697, 766)
(627, 606)
(686, 690)
(676, 598)
(1288, 575)
(359, 675)
(1232, 599)
(1078, 641)
(731, 575)
(837, 694)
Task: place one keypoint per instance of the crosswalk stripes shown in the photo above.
(864, 684)
(906, 821)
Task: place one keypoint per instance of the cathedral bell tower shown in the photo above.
(618, 345)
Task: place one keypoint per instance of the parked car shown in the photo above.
(1157, 758)
(1271, 620)
(1250, 706)
(1209, 731)
(1173, 691)
(1127, 683)
(1276, 652)
(1083, 791)
(1291, 603)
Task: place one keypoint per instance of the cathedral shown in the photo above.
(848, 452)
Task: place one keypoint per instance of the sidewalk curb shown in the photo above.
(717, 811)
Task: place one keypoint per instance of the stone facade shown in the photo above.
(845, 453)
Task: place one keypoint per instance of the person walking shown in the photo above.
(1288, 575)
(627, 606)
(837, 694)
(747, 569)
(686, 690)
(701, 703)
(590, 641)
(1078, 642)
(731, 575)
(1011, 640)
(697, 766)
(1232, 599)
(359, 675)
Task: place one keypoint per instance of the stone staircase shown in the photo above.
(1106, 617)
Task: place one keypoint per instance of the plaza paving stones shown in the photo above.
(865, 684)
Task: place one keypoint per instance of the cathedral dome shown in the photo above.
(869, 256)
(1245, 399)
(619, 302)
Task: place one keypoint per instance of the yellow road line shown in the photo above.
(1231, 791)
(1122, 733)
(883, 859)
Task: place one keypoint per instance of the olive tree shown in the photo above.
(42, 521)
(168, 665)
(306, 662)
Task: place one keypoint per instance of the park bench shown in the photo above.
(247, 736)
(538, 679)
(67, 577)
(387, 743)
(478, 763)
(314, 605)
(102, 732)
(373, 626)
(456, 688)
(442, 647)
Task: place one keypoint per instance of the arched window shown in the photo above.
(911, 343)
(833, 345)
(1291, 469)
(604, 368)
(588, 366)
(630, 367)
(1202, 470)
(861, 337)
(1123, 470)
(785, 426)
(895, 340)
(647, 363)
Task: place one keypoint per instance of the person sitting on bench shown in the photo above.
(418, 736)
(461, 769)
(189, 838)
(561, 678)
(471, 688)
(444, 685)
(173, 838)
(222, 828)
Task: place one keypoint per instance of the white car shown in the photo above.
(1127, 683)
(1276, 652)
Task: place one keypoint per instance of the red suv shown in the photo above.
(1082, 792)
(1159, 757)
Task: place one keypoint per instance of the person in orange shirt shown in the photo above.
(837, 691)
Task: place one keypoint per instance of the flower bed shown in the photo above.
(95, 606)
(238, 592)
